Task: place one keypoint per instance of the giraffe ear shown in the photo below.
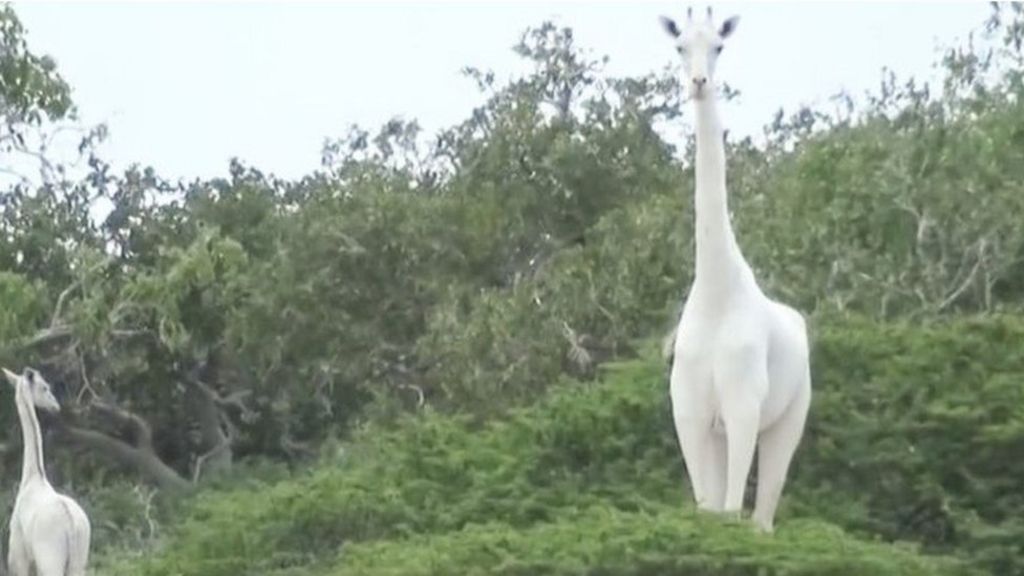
(670, 26)
(728, 27)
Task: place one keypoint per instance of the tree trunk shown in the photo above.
(217, 456)
(142, 459)
(137, 454)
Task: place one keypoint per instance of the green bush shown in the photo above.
(608, 541)
(917, 433)
(912, 437)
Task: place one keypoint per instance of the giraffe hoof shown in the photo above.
(732, 517)
(723, 515)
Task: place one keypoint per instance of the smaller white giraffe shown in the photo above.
(49, 531)
(740, 374)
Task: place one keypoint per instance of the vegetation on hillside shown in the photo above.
(562, 487)
(430, 328)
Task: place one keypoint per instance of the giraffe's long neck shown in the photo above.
(719, 260)
(32, 467)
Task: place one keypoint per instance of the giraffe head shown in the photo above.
(38, 389)
(699, 43)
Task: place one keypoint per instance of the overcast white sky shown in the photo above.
(185, 86)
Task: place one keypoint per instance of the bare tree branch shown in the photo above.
(218, 431)
(292, 447)
(124, 418)
(86, 384)
(217, 450)
(48, 336)
(577, 353)
(141, 457)
(420, 396)
(58, 309)
(968, 281)
(147, 507)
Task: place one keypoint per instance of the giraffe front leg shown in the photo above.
(694, 433)
(741, 382)
(18, 563)
(741, 424)
(692, 413)
(715, 468)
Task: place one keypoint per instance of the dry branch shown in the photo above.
(218, 431)
(138, 455)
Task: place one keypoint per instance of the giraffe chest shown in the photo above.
(707, 325)
(712, 334)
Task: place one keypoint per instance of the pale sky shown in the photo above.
(185, 86)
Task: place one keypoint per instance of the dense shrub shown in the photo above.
(917, 433)
(608, 541)
(912, 437)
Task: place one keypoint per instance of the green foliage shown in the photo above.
(608, 541)
(912, 438)
(931, 419)
(537, 239)
(493, 283)
(131, 515)
(30, 88)
(23, 306)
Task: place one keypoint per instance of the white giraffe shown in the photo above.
(740, 372)
(49, 531)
